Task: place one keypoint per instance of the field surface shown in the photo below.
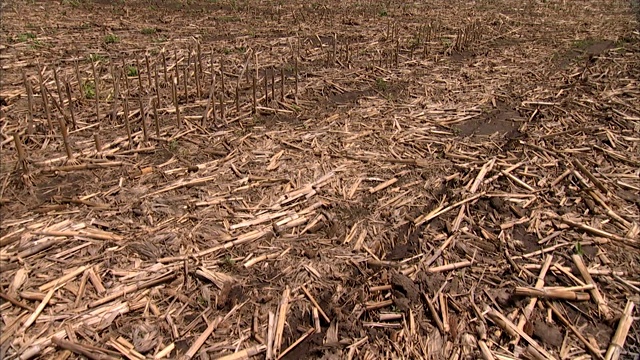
(252, 179)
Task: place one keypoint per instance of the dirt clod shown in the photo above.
(548, 334)
(406, 286)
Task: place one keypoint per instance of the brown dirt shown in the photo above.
(550, 335)
(502, 121)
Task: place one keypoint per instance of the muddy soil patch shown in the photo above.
(503, 122)
(349, 97)
(580, 49)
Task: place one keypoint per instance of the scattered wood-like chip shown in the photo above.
(410, 180)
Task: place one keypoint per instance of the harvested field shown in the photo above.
(246, 179)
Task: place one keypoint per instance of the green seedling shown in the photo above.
(36, 44)
(445, 41)
(578, 248)
(111, 39)
(89, 88)
(72, 3)
(96, 57)
(228, 262)
(26, 36)
(132, 71)
(583, 43)
(228, 19)
(173, 145)
(160, 39)
(148, 31)
(381, 84)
